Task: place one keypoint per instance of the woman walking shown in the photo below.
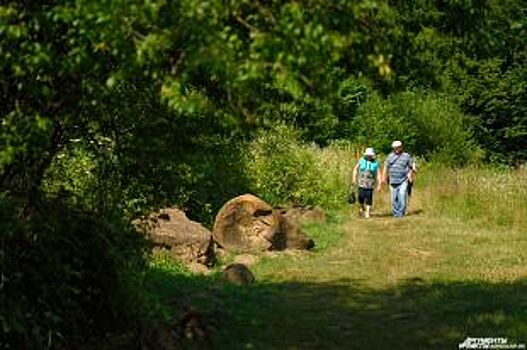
(367, 174)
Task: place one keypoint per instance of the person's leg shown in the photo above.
(403, 197)
(393, 194)
(361, 200)
(368, 200)
(400, 198)
(410, 187)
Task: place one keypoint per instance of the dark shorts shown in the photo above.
(366, 196)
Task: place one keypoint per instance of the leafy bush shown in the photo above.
(496, 97)
(198, 177)
(67, 275)
(73, 171)
(429, 125)
(283, 170)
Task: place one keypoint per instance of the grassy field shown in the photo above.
(455, 267)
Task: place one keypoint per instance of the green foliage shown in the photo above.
(66, 275)
(495, 96)
(73, 174)
(429, 125)
(475, 51)
(283, 170)
(197, 175)
(122, 107)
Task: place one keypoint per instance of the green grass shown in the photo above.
(453, 268)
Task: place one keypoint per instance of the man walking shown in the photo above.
(399, 171)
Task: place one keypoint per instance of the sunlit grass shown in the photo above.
(454, 267)
(485, 196)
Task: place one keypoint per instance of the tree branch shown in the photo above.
(247, 24)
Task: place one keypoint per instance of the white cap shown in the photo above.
(396, 144)
(369, 152)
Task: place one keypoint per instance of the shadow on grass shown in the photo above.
(389, 214)
(348, 315)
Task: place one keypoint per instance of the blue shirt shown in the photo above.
(398, 166)
(367, 172)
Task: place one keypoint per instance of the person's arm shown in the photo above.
(379, 179)
(385, 171)
(354, 176)
(411, 170)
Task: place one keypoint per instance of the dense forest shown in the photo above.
(112, 108)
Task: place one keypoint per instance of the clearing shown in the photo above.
(422, 282)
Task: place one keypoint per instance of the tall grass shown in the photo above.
(485, 195)
(283, 170)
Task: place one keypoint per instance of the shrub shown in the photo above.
(74, 171)
(67, 275)
(283, 170)
(429, 125)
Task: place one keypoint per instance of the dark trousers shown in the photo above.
(365, 196)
